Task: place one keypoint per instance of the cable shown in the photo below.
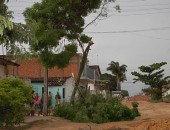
(150, 36)
(130, 31)
(148, 13)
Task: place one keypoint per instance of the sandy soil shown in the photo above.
(154, 116)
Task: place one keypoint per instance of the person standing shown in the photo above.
(36, 102)
(57, 97)
(49, 102)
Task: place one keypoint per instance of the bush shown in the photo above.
(155, 93)
(124, 93)
(135, 108)
(95, 108)
(14, 93)
(167, 96)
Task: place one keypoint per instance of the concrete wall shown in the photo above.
(69, 85)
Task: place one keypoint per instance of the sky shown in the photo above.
(138, 35)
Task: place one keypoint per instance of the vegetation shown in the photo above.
(153, 76)
(118, 72)
(124, 93)
(135, 108)
(57, 23)
(12, 35)
(111, 81)
(95, 108)
(51, 35)
(14, 94)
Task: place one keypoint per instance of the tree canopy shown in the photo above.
(153, 76)
(118, 71)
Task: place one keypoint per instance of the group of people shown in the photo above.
(38, 102)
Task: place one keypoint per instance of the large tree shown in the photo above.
(51, 35)
(119, 72)
(56, 20)
(152, 76)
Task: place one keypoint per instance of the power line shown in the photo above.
(131, 31)
(160, 38)
(147, 13)
(136, 6)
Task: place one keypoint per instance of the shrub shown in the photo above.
(135, 108)
(14, 93)
(95, 108)
(155, 93)
(124, 93)
(167, 96)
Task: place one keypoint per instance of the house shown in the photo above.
(8, 68)
(61, 80)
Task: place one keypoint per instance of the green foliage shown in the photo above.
(95, 108)
(153, 76)
(124, 93)
(155, 93)
(14, 93)
(111, 81)
(167, 96)
(135, 108)
(118, 71)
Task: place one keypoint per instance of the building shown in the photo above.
(61, 80)
(8, 68)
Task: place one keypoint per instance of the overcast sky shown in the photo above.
(139, 35)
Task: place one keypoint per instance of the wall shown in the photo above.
(2, 73)
(69, 85)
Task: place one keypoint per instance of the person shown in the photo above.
(40, 106)
(36, 102)
(57, 97)
(49, 104)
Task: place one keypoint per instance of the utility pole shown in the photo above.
(45, 91)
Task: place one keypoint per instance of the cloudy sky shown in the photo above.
(138, 35)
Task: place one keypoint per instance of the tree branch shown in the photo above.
(97, 16)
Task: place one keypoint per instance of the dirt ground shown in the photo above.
(154, 116)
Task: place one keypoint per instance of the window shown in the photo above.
(63, 92)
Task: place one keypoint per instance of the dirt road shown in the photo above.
(154, 116)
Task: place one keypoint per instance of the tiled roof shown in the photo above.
(54, 81)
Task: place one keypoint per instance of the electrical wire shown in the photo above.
(131, 31)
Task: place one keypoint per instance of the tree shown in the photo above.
(119, 72)
(112, 81)
(153, 76)
(56, 20)
(51, 36)
(5, 16)
(88, 6)
(12, 35)
(14, 94)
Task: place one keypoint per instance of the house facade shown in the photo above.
(8, 68)
(61, 80)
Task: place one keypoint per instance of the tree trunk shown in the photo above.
(118, 84)
(45, 91)
(82, 65)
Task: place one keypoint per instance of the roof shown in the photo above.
(95, 67)
(4, 61)
(52, 81)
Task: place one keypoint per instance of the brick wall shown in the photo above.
(33, 69)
